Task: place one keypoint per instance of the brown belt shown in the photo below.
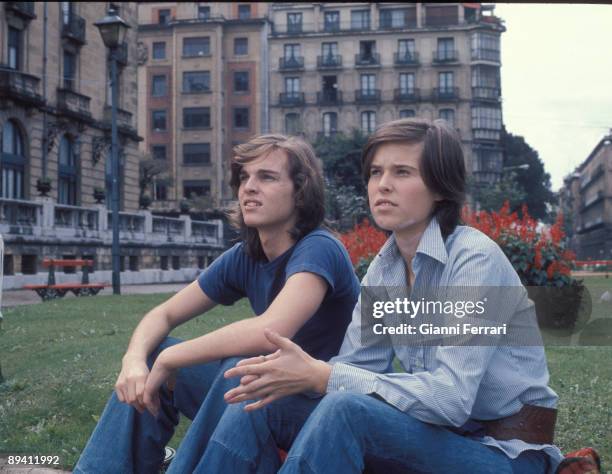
(531, 424)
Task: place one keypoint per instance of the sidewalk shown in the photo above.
(21, 297)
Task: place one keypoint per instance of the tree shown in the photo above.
(346, 202)
(152, 170)
(533, 182)
(491, 197)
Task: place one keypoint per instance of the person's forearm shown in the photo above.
(243, 338)
(148, 334)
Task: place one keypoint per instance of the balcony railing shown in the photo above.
(407, 95)
(329, 97)
(23, 9)
(205, 231)
(73, 104)
(445, 94)
(484, 54)
(168, 226)
(75, 217)
(294, 28)
(406, 59)
(444, 56)
(20, 87)
(386, 23)
(486, 93)
(329, 61)
(74, 29)
(17, 212)
(291, 63)
(372, 60)
(124, 118)
(331, 26)
(291, 99)
(367, 96)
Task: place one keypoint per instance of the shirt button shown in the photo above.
(341, 388)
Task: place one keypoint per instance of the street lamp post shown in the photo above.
(113, 30)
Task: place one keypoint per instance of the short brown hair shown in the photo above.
(306, 172)
(442, 164)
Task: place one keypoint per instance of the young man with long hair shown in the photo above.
(454, 407)
(298, 279)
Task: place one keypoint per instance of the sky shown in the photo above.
(557, 80)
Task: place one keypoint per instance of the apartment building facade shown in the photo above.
(586, 197)
(203, 88)
(55, 113)
(338, 66)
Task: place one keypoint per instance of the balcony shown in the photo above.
(406, 59)
(20, 87)
(329, 97)
(124, 119)
(329, 61)
(486, 93)
(487, 55)
(407, 95)
(594, 199)
(445, 56)
(294, 29)
(291, 99)
(74, 29)
(446, 94)
(331, 27)
(73, 104)
(367, 96)
(292, 63)
(22, 9)
(372, 60)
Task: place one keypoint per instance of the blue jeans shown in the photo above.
(349, 433)
(126, 441)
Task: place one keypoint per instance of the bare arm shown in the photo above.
(149, 333)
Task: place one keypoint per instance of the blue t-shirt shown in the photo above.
(234, 275)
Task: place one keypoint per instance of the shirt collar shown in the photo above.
(431, 244)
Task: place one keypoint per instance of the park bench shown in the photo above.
(53, 290)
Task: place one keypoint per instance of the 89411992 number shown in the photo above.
(33, 460)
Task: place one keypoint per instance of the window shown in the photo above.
(163, 262)
(396, 18)
(485, 82)
(241, 46)
(445, 82)
(332, 21)
(486, 118)
(159, 50)
(292, 86)
(133, 263)
(196, 153)
(14, 48)
(367, 51)
(406, 83)
(293, 124)
(163, 16)
(176, 262)
(196, 188)
(368, 83)
(196, 117)
(241, 117)
(244, 12)
(448, 115)
(160, 191)
(330, 123)
(9, 267)
(329, 51)
(291, 51)
(158, 86)
(196, 81)
(196, 46)
(407, 113)
(28, 264)
(294, 22)
(203, 12)
(368, 121)
(446, 49)
(69, 70)
(405, 49)
(485, 46)
(67, 172)
(360, 19)
(241, 81)
(13, 161)
(159, 120)
(158, 152)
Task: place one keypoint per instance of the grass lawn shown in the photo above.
(60, 361)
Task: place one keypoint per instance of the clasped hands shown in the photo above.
(285, 372)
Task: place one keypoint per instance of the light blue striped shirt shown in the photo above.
(447, 385)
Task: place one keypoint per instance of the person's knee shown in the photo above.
(346, 405)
